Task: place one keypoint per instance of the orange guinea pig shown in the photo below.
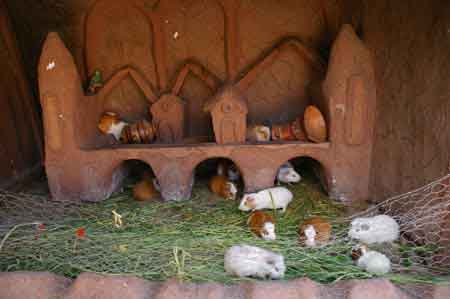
(262, 225)
(147, 189)
(314, 231)
(220, 185)
(110, 123)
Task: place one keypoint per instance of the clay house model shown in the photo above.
(229, 115)
(168, 118)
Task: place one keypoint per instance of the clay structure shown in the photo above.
(141, 82)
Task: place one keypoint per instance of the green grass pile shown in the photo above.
(186, 240)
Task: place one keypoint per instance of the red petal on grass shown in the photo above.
(81, 233)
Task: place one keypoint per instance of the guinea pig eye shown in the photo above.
(270, 262)
(365, 227)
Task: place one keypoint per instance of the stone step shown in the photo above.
(43, 285)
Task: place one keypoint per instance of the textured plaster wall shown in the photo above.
(410, 40)
(411, 45)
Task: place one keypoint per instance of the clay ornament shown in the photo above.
(139, 132)
(96, 82)
(289, 132)
(315, 126)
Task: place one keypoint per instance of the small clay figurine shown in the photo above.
(315, 126)
(96, 82)
(138, 133)
(289, 131)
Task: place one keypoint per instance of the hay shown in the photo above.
(186, 240)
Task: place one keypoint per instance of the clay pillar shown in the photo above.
(60, 91)
(176, 180)
(350, 90)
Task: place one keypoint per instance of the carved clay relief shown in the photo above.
(119, 35)
(356, 111)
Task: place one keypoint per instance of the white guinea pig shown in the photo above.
(373, 261)
(272, 198)
(377, 229)
(251, 261)
(287, 174)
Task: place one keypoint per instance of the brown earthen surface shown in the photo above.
(94, 169)
(43, 285)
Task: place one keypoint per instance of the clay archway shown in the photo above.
(324, 174)
(213, 172)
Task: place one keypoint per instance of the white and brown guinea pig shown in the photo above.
(220, 185)
(314, 231)
(262, 225)
(110, 123)
(258, 133)
(228, 169)
(147, 189)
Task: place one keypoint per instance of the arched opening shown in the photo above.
(208, 170)
(138, 174)
(303, 173)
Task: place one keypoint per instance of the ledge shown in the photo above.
(42, 285)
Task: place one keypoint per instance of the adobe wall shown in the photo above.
(409, 39)
(411, 45)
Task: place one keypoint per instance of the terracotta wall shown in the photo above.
(411, 45)
(20, 132)
(410, 40)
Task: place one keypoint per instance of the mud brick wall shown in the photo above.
(410, 41)
(411, 45)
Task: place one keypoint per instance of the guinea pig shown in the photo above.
(370, 260)
(251, 261)
(221, 186)
(110, 123)
(272, 198)
(262, 225)
(372, 230)
(258, 133)
(287, 174)
(147, 189)
(314, 231)
(228, 169)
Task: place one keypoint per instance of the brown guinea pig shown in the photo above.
(220, 185)
(228, 169)
(262, 225)
(314, 231)
(146, 189)
(358, 251)
(258, 133)
(110, 123)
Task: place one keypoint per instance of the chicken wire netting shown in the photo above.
(188, 239)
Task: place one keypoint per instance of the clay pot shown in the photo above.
(315, 126)
(139, 132)
(290, 131)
